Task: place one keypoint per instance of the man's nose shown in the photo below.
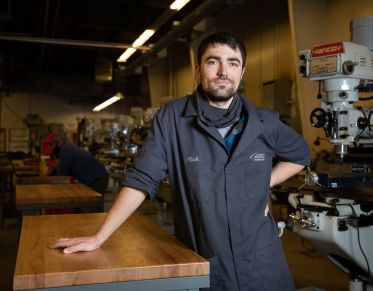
(223, 69)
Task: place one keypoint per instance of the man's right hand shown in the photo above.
(128, 201)
(76, 244)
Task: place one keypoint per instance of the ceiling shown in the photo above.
(109, 23)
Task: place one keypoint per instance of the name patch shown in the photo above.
(258, 157)
(192, 159)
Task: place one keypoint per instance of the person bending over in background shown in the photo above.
(80, 164)
(217, 149)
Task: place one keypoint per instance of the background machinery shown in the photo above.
(334, 206)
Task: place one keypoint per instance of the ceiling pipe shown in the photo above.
(83, 43)
(166, 15)
(207, 8)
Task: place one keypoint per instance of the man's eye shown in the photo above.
(212, 62)
(233, 64)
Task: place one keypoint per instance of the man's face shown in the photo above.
(220, 72)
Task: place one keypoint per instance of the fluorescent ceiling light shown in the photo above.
(127, 53)
(108, 102)
(178, 4)
(143, 37)
(138, 42)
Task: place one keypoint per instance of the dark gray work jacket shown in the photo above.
(218, 198)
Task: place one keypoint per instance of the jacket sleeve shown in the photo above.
(290, 146)
(150, 167)
(65, 161)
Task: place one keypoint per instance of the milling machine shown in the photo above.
(334, 206)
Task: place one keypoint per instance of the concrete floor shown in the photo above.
(310, 270)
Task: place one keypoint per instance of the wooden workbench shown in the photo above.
(43, 180)
(31, 199)
(55, 195)
(26, 167)
(138, 256)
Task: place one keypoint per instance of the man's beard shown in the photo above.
(214, 95)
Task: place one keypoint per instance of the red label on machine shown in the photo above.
(328, 49)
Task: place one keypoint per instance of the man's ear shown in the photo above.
(198, 73)
(243, 72)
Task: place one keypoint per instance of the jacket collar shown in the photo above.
(254, 126)
(191, 107)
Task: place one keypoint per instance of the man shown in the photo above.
(217, 149)
(78, 163)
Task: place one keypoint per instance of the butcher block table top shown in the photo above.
(139, 250)
(50, 195)
(43, 180)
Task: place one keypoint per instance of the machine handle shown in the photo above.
(318, 117)
(303, 221)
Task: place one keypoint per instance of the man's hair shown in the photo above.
(234, 42)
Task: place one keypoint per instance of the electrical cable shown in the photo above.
(309, 248)
(357, 229)
(358, 234)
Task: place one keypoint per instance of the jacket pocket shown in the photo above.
(257, 177)
(200, 182)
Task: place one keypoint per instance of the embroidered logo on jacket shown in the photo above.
(258, 157)
(192, 159)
